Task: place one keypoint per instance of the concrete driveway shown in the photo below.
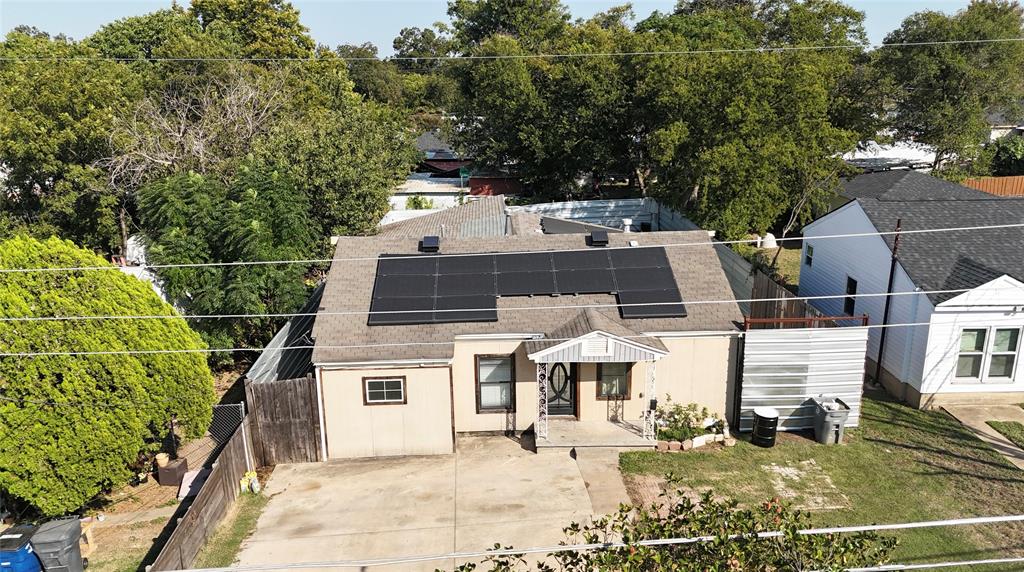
(490, 491)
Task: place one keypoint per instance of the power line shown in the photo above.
(553, 55)
(510, 309)
(1008, 321)
(310, 261)
(613, 545)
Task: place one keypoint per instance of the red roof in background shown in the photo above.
(495, 186)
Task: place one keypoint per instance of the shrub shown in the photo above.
(677, 422)
(72, 425)
(418, 202)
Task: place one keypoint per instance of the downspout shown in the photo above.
(320, 411)
(737, 398)
(888, 302)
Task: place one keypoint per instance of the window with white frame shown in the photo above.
(809, 255)
(383, 390)
(987, 354)
(495, 379)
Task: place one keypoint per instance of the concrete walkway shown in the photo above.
(975, 417)
(599, 467)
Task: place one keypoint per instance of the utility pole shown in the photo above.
(888, 301)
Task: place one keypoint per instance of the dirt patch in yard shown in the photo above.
(806, 486)
(123, 548)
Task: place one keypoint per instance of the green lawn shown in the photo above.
(901, 465)
(1012, 430)
(220, 549)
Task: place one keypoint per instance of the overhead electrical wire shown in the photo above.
(310, 261)
(553, 55)
(509, 309)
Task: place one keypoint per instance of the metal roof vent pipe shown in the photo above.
(430, 244)
(627, 225)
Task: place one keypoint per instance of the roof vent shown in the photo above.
(430, 244)
(599, 238)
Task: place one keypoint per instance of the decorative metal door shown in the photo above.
(561, 391)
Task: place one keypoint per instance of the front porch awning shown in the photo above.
(594, 337)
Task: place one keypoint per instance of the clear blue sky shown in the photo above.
(335, 22)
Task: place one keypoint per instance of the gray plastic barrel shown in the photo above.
(829, 419)
(56, 545)
(766, 425)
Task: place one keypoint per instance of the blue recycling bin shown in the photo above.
(16, 554)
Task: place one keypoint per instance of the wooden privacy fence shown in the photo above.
(999, 186)
(285, 420)
(777, 307)
(210, 506)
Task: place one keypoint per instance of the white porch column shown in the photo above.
(650, 393)
(541, 427)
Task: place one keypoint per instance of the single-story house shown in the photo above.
(473, 319)
(955, 324)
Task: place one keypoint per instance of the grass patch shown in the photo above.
(1012, 430)
(901, 465)
(789, 264)
(220, 549)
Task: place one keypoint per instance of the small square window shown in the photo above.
(381, 391)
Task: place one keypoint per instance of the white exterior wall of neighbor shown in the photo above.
(867, 260)
(998, 304)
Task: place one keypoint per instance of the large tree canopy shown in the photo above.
(72, 424)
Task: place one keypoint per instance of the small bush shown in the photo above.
(418, 202)
(678, 422)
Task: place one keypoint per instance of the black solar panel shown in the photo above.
(419, 289)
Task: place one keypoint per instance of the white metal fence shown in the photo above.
(786, 368)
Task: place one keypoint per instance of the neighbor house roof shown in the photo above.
(278, 361)
(944, 260)
(696, 270)
(477, 218)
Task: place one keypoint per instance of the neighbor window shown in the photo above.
(809, 255)
(495, 377)
(850, 302)
(987, 353)
(613, 380)
(383, 390)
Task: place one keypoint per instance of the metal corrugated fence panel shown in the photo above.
(786, 368)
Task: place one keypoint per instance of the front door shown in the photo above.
(562, 390)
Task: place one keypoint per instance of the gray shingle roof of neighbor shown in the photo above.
(477, 218)
(431, 141)
(272, 364)
(349, 288)
(944, 260)
(588, 320)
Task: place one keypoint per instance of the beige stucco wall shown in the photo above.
(421, 426)
(699, 370)
(464, 375)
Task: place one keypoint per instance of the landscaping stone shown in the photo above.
(662, 446)
(700, 441)
(688, 444)
(719, 438)
(674, 445)
(729, 442)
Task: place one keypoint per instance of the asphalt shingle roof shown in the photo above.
(944, 260)
(478, 218)
(589, 320)
(697, 271)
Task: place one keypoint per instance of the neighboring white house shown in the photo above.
(440, 192)
(968, 316)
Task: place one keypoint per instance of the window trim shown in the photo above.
(809, 255)
(629, 384)
(405, 392)
(512, 383)
(851, 297)
(986, 353)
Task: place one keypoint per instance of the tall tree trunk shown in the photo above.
(122, 219)
(641, 180)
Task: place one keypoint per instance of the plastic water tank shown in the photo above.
(769, 241)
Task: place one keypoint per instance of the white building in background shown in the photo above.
(961, 291)
(135, 265)
(440, 192)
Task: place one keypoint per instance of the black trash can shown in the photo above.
(56, 544)
(766, 424)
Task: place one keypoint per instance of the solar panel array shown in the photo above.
(432, 289)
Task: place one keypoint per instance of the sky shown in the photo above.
(334, 22)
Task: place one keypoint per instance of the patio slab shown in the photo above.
(975, 416)
(570, 433)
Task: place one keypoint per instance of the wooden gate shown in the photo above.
(285, 420)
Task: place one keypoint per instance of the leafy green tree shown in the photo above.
(418, 202)
(430, 43)
(72, 425)
(377, 79)
(531, 22)
(266, 28)
(733, 545)
(55, 125)
(941, 92)
(141, 37)
(258, 215)
(1008, 157)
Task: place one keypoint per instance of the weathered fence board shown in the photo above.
(285, 419)
(772, 303)
(210, 506)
